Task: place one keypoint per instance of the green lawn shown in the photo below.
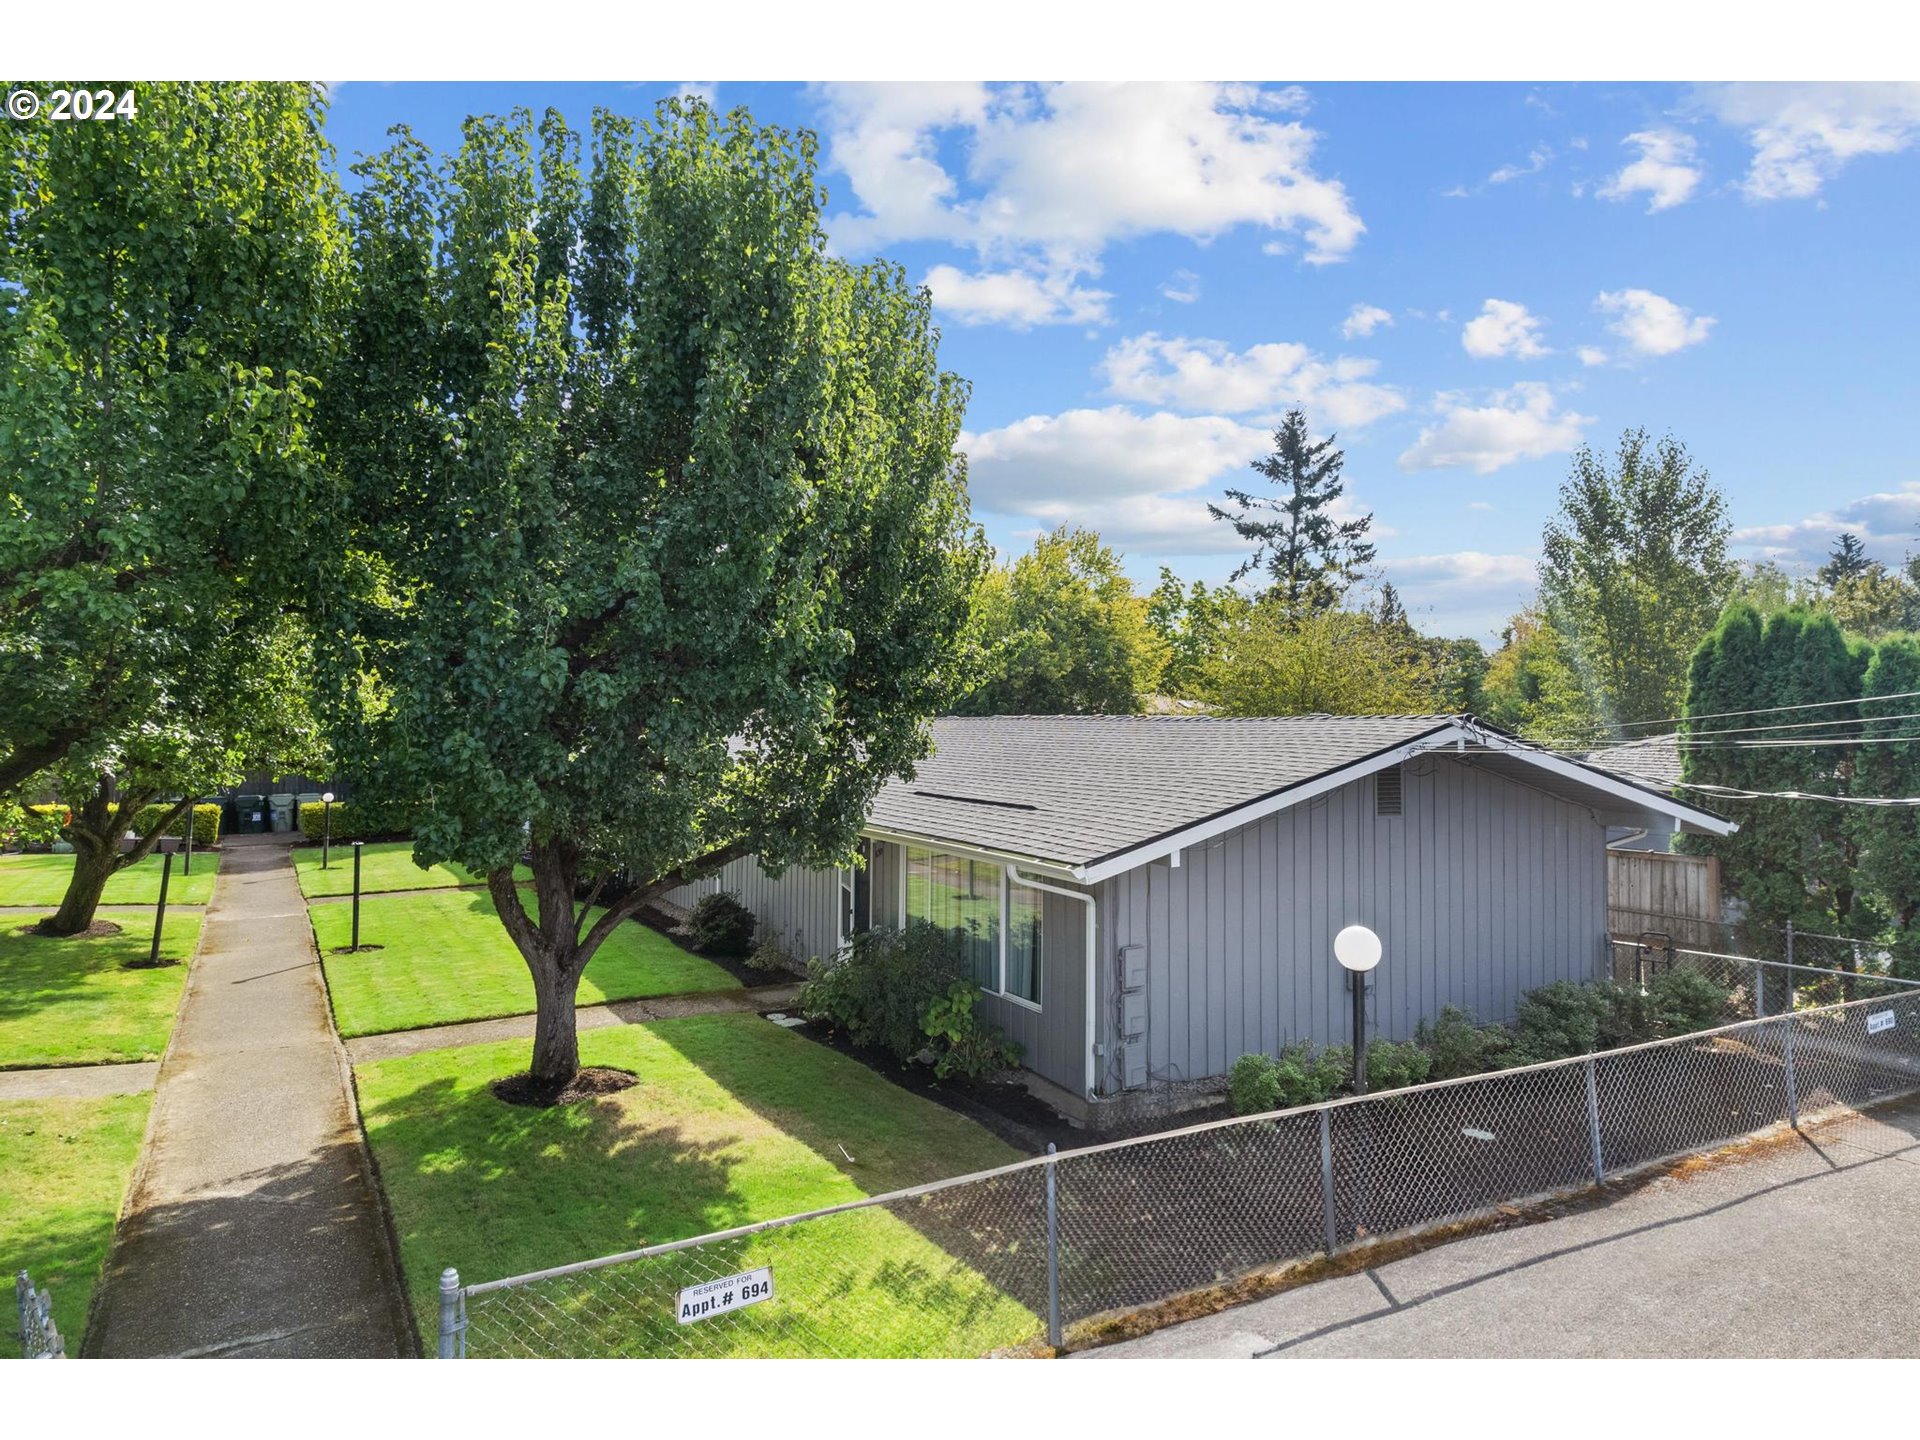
(387, 865)
(75, 1002)
(734, 1120)
(448, 958)
(42, 880)
(64, 1166)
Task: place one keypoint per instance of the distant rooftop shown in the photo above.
(1652, 761)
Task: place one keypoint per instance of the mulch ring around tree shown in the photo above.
(98, 930)
(588, 1083)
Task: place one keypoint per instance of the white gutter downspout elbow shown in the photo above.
(1092, 976)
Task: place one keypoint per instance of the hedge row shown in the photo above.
(42, 824)
(354, 820)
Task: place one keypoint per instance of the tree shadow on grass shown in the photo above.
(65, 986)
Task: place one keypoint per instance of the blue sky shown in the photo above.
(1464, 282)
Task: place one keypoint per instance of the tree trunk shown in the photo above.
(556, 1034)
(93, 866)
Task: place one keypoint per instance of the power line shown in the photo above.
(1795, 725)
(1726, 792)
(1763, 710)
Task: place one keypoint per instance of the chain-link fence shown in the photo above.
(1788, 944)
(1056, 1250)
(39, 1336)
(1757, 988)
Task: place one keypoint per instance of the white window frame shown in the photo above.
(1000, 991)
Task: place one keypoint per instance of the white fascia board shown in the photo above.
(1439, 737)
(1053, 869)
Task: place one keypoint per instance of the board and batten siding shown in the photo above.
(801, 906)
(1481, 890)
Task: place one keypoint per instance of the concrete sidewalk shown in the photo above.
(253, 1227)
(1803, 1250)
(78, 1082)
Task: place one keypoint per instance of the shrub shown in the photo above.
(721, 925)
(1459, 1045)
(355, 820)
(1299, 1075)
(1557, 1021)
(1394, 1065)
(206, 823)
(963, 1043)
(903, 992)
(771, 955)
(35, 825)
(1685, 1001)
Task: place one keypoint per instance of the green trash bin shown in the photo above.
(250, 814)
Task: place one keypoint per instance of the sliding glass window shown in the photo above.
(1024, 907)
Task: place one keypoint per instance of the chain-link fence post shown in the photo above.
(1326, 1181)
(1759, 991)
(1054, 1333)
(1593, 1124)
(1789, 951)
(450, 1314)
(1793, 1092)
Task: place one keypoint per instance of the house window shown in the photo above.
(1388, 792)
(1022, 978)
(994, 924)
(961, 897)
(856, 895)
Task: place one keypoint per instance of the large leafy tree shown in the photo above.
(1633, 572)
(1338, 662)
(1530, 687)
(1192, 621)
(1889, 767)
(1310, 556)
(1061, 632)
(167, 286)
(240, 704)
(665, 546)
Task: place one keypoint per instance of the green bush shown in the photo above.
(904, 992)
(963, 1043)
(1685, 1001)
(1394, 1065)
(355, 820)
(771, 955)
(1299, 1075)
(1459, 1045)
(1557, 1021)
(206, 822)
(31, 824)
(721, 925)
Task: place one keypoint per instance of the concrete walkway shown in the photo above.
(78, 1082)
(396, 1043)
(252, 1227)
(1806, 1249)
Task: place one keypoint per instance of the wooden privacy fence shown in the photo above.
(1676, 894)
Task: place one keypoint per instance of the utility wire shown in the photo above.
(1763, 710)
(1727, 792)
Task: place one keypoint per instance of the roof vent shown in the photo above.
(1387, 791)
(976, 800)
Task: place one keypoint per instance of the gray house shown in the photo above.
(1146, 898)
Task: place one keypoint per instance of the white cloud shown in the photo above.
(1363, 320)
(1802, 134)
(1652, 324)
(1018, 298)
(1066, 169)
(1537, 159)
(1208, 375)
(1665, 172)
(1503, 327)
(1591, 355)
(1464, 592)
(1522, 423)
(1182, 287)
(1885, 521)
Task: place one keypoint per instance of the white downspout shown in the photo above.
(1017, 878)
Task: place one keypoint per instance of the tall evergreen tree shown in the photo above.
(1311, 557)
(1846, 561)
(1633, 573)
(1889, 837)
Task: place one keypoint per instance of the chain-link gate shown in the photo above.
(1050, 1250)
(39, 1337)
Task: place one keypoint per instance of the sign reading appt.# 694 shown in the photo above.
(717, 1297)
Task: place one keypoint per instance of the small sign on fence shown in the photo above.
(1879, 1020)
(717, 1297)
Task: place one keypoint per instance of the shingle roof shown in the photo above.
(1074, 789)
(1653, 761)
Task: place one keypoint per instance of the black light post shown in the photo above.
(1358, 950)
(356, 894)
(160, 910)
(326, 840)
